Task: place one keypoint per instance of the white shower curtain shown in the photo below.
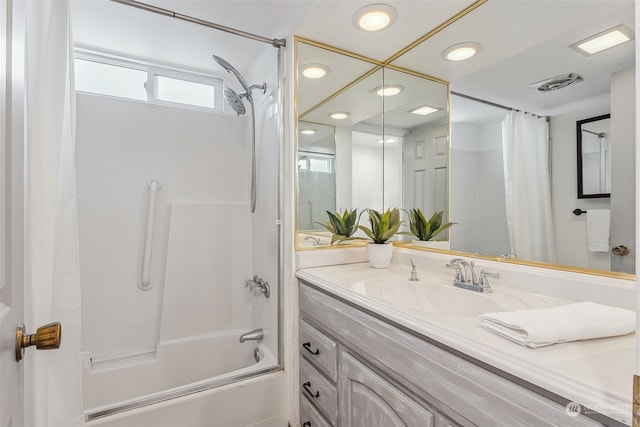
(525, 147)
(52, 378)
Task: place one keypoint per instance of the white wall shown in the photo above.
(344, 152)
(378, 166)
(366, 176)
(477, 189)
(570, 230)
(201, 252)
(623, 190)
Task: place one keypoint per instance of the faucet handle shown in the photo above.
(487, 274)
(484, 281)
(454, 264)
(413, 277)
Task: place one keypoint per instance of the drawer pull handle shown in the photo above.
(307, 387)
(307, 424)
(307, 346)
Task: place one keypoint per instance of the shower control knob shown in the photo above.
(47, 337)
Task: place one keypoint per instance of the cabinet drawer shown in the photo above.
(310, 417)
(318, 349)
(319, 390)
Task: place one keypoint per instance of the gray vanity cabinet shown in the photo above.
(358, 369)
(368, 400)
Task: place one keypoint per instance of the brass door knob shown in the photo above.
(620, 250)
(47, 337)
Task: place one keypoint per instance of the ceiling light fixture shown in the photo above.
(388, 90)
(308, 131)
(602, 41)
(374, 17)
(424, 110)
(461, 51)
(314, 71)
(339, 115)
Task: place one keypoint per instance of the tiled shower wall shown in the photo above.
(203, 229)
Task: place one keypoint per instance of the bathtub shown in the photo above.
(177, 368)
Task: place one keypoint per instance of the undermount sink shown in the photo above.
(438, 297)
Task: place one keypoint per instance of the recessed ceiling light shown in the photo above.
(388, 90)
(308, 131)
(425, 110)
(461, 51)
(314, 71)
(604, 40)
(339, 115)
(374, 17)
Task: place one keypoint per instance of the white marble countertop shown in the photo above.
(596, 373)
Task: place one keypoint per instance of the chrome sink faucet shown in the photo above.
(466, 278)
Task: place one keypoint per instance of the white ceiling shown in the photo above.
(524, 41)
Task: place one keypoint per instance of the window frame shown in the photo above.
(152, 71)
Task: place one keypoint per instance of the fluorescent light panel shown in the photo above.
(425, 110)
(605, 40)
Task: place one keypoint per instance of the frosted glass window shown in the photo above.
(112, 80)
(185, 92)
(319, 165)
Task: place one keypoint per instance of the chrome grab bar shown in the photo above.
(145, 282)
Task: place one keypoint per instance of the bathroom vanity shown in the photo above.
(374, 353)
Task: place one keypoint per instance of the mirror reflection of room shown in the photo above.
(512, 74)
(472, 184)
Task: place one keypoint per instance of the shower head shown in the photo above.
(231, 69)
(235, 101)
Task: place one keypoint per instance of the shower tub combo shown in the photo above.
(169, 312)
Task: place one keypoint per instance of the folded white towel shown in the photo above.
(598, 226)
(545, 326)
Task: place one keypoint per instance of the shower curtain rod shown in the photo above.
(277, 43)
(493, 104)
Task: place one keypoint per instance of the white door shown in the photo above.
(11, 210)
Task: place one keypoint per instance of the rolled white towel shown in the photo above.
(545, 326)
(598, 229)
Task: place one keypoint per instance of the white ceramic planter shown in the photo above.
(380, 254)
(436, 244)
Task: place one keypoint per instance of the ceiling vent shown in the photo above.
(557, 82)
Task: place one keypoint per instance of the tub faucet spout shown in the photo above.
(255, 335)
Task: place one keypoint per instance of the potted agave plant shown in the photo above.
(426, 230)
(383, 227)
(342, 225)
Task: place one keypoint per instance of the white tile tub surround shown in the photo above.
(120, 146)
(591, 372)
(208, 259)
